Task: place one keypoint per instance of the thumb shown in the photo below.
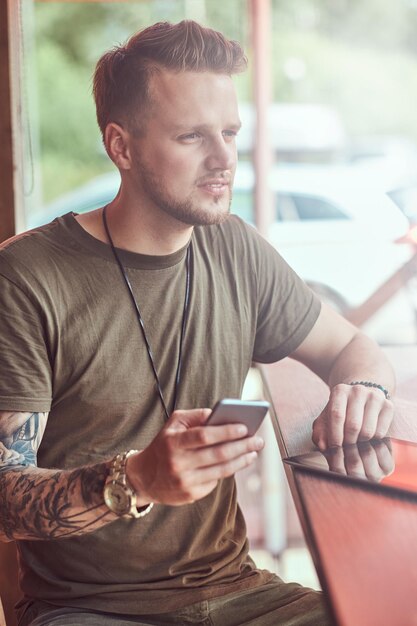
(181, 420)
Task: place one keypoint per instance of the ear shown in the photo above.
(116, 141)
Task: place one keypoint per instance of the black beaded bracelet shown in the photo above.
(367, 383)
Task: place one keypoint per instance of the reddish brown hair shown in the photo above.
(122, 75)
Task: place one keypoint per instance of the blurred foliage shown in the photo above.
(69, 39)
(356, 55)
(67, 117)
(374, 23)
(372, 90)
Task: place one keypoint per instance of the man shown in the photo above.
(113, 319)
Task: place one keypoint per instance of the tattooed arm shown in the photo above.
(40, 503)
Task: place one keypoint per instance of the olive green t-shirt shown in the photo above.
(70, 344)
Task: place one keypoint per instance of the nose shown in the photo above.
(221, 154)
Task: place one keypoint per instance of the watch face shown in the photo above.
(117, 499)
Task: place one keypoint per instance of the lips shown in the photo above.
(215, 186)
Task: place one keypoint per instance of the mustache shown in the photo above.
(222, 178)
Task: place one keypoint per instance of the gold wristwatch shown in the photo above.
(118, 494)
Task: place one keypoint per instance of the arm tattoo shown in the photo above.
(39, 503)
(20, 435)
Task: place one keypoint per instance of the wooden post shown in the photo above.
(11, 188)
(260, 11)
(7, 201)
(384, 293)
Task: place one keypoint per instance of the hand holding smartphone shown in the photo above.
(232, 411)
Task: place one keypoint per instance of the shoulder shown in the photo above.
(31, 252)
(27, 265)
(24, 245)
(28, 238)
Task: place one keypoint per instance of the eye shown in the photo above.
(189, 137)
(229, 134)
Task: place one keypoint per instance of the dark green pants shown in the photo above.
(273, 604)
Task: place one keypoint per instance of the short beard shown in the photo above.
(182, 210)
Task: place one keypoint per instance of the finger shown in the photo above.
(370, 418)
(336, 459)
(197, 448)
(204, 436)
(224, 452)
(385, 418)
(336, 416)
(224, 470)
(199, 483)
(371, 465)
(187, 418)
(387, 442)
(354, 462)
(319, 435)
(354, 414)
(385, 457)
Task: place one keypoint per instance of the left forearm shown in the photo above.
(340, 354)
(362, 360)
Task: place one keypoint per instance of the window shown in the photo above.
(291, 207)
(242, 204)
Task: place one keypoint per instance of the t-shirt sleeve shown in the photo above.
(25, 370)
(287, 309)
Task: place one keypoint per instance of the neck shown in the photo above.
(137, 231)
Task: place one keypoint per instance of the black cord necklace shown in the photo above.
(188, 263)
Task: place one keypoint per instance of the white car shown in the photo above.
(332, 227)
(391, 163)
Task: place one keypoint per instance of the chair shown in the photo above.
(9, 586)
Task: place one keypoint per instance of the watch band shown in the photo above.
(117, 480)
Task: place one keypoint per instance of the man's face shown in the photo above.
(185, 162)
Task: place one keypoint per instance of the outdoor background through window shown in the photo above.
(343, 131)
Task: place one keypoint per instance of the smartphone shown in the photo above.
(232, 411)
